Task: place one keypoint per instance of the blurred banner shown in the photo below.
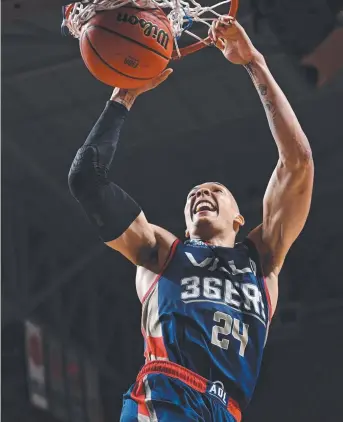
(60, 378)
(35, 365)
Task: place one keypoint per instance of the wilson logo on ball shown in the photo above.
(149, 29)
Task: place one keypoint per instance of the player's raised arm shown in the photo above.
(119, 220)
(287, 199)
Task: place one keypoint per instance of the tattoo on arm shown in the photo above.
(262, 89)
(124, 97)
(271, 109)
(263, 92)
(250, 69)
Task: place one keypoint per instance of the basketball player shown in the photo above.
(206, 303)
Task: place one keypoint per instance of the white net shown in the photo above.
(182, 14)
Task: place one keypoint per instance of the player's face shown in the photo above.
(210, 209)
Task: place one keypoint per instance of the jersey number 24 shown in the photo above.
(220, 333)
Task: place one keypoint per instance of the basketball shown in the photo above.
(128, 46)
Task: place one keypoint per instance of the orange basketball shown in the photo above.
(128, 46)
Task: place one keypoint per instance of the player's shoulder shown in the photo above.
(163, 234)
(164, 243)
(254, 241)
(267, 256)
(157, 262)
(164, 239)
(267, 262)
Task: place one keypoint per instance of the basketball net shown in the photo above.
(182, 15)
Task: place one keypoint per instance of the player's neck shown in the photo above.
(227, 241)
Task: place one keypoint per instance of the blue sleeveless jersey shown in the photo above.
(209, 311)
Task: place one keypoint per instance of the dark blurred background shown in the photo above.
(71, 342)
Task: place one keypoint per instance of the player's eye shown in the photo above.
(218, 190)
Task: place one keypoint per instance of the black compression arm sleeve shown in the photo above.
(107, 206)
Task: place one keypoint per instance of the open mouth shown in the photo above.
(204, 206)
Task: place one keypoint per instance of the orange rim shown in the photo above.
(185, 51)
(68, 10)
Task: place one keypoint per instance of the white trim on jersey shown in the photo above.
(150, 315)
(148, 401)
(153, 357)
(224, 303)
(143, 418)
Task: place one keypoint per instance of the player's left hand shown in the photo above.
(230, 37)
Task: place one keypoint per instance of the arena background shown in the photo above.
(71, 342)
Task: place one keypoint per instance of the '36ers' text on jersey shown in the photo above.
(209, 311)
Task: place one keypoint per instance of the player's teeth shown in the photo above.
(203, 204)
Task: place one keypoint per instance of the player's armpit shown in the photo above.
(286, 206)
(144, 244)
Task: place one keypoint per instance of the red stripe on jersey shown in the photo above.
(174, 370)
(270, 311)
(234, 409)
(155, 346)
(196, 381)
(146, 354)
(170, 256)
(138, 395)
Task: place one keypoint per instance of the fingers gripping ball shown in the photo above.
(127, 47)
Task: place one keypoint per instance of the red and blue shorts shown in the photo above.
(167, 392)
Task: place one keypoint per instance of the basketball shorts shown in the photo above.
(167, 392)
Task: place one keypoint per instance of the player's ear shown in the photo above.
(187, 234)
(238, 222)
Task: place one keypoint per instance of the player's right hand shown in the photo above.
(153, 83)
(128, 96)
